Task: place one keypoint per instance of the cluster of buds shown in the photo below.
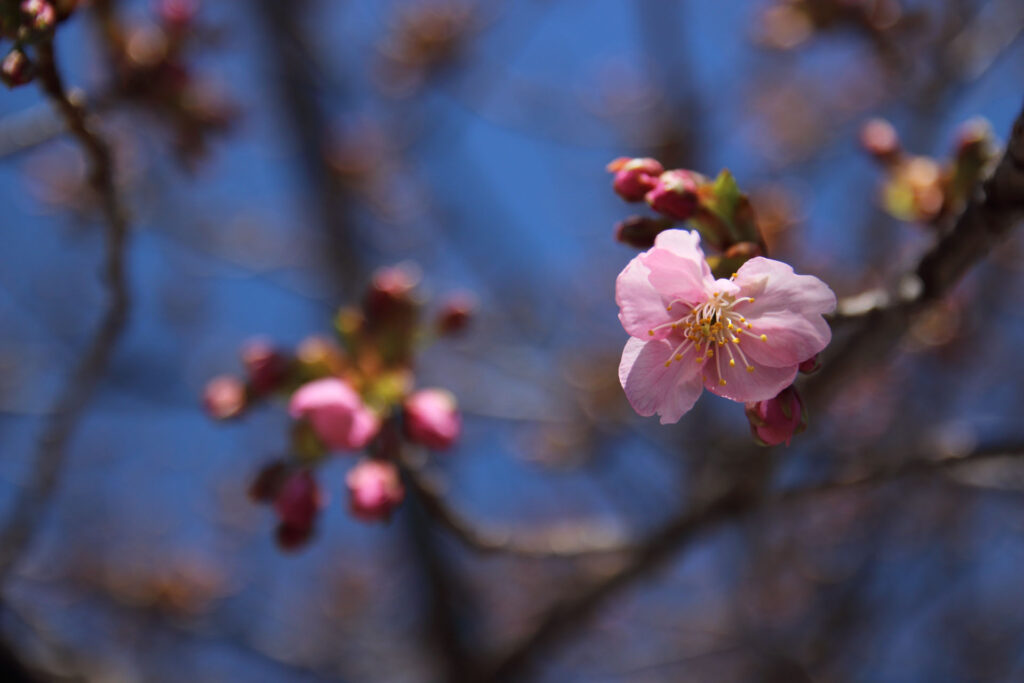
(789, 23)
(350, 394)
(25, 22)
(921, 189)
(151, 72)
(715, 208)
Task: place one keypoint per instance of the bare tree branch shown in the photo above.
(17, 532)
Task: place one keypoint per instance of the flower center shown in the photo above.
(714, 324)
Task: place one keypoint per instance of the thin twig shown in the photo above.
(18, 531)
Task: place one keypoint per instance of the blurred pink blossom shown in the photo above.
(432, 418)
(338, 416)
(375, 490)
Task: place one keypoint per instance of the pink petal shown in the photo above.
(678, 267)
(787, 309)
(641, 307)
(653, 388)
(686, 245)
(789, 339)
(744, 386)
(365, 425)
(776, 288)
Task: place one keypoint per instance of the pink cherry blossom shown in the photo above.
(742, 338)
(375, 490)
(432, 418)
(336, 413)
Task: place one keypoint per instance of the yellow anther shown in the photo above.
(668, 308)
(732, 363)
(668, 363)
(764, 337)
(752, 299)
(750, 368)
(722, 382)
(679, 356)
(650, 332)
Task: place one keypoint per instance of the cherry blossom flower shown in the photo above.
(743, 338)
(338, 416)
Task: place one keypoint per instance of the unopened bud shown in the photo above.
(390, 300)
(266, 366)
(375, 490)
(640, 231)
(224, 397)
(177, 14)
(776, 420)
(456, 313)
(40, 13)
(432, 418)
(16, 69)
(974, 138)
(634, 177)
(880, 140)
(674, 195)
(336, 413)
(297, 505)
(810, 365)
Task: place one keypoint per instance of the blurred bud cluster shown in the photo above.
(353, 392)
(424, 38)
(25, 22)
(788, 23)
(922, 189)
(151, 71)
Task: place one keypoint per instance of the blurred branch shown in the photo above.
(995, 209)
(559, 621)
(17, 532)
(551, 543)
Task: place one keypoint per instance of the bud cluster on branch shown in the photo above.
(350, 393)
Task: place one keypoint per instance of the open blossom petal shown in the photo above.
(652, 387)
(678, 270)
(744, 385)
(641, 308)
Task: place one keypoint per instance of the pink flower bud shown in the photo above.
(224, 397)
(266, 367)
(336, 413)
(674, 195)
(776, 420)
(297, 505)
(432, 418)
(880, 140)
(298, 500)
(391, 301)
(634, 177)
(177, 14)
(810, 365)
(40, 13)
(456, 313)
(640, 231)
(16, 69)
(375, 490)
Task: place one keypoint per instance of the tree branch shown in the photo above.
(17, 532)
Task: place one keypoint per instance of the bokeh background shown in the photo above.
(331, 138)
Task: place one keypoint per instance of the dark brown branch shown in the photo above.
(51, 451)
